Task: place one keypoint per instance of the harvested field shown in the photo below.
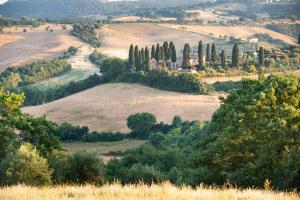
(118, 37)
(106, 107)
(242, 31)
(18, 48)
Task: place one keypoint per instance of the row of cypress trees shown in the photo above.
(140, 60)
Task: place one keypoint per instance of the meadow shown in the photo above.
(164, 191)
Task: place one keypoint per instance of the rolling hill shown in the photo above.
(106, 107)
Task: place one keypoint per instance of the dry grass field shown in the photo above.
(164, 191)
(241, 31)
(18, 48)
(102, 148)
(118, 37)
(106, 107)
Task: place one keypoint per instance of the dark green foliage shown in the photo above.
(68, 132)
(200, 56)
(141, 124)
(112, 68)
(19, 76)
(97, 58)
(208, 55)
(87, 33)
(70, 52)
(153, 52)
(162, 54)
(157, 53)
(104, 137)
(156, 139)
(166, 80)
(213, 53)
(173, 52)
(261, 56)
(131, 58)
(186, 57)
(267, 38)
(166, 50)
(80, 168)
(6, 22)
(235, 60)
(137, 57)
(147, 60)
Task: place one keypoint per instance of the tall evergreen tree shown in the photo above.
(223, 58)
(235, 60)
(131, 61)
(136, 57)
(153, 52)
(166, 50)
(157, 53)
(186, 56)
(147, 59)
(261, 56)
(208, 56)
(173, 52)
(298, 38)
(213, 53)
(139, 62)
(200, 55)
(142, 55)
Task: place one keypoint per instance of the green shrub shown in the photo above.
(25, 166)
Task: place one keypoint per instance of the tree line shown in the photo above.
(87, 33)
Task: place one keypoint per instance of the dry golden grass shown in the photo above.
(118, 37)
(163, 191)
(106, 107)
(239, 31)
(18, 48)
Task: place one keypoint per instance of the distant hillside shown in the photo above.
(75, 8)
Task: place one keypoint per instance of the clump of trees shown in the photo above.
(87, 33)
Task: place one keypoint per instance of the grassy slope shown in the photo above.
(164, 191)
(106, 107)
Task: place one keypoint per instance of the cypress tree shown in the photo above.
(153, 52)
(157, 53)
(223, 58)
(166, 50)
(136, 57)
(147, 59)
(142, 56)
(186, 56)
(298, 38)
(235, 60)
(261, 56)
(213, 53)
(139, 61)
(208, 53)
(200, 55)
(131, 56)
(173, 52)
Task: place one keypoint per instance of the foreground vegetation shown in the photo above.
(163, 191)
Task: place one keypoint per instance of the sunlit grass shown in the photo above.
(164, 191)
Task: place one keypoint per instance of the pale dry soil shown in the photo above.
(18, 48)
(106, 107)
(118, 37)
(164, 191)
(239, 31)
